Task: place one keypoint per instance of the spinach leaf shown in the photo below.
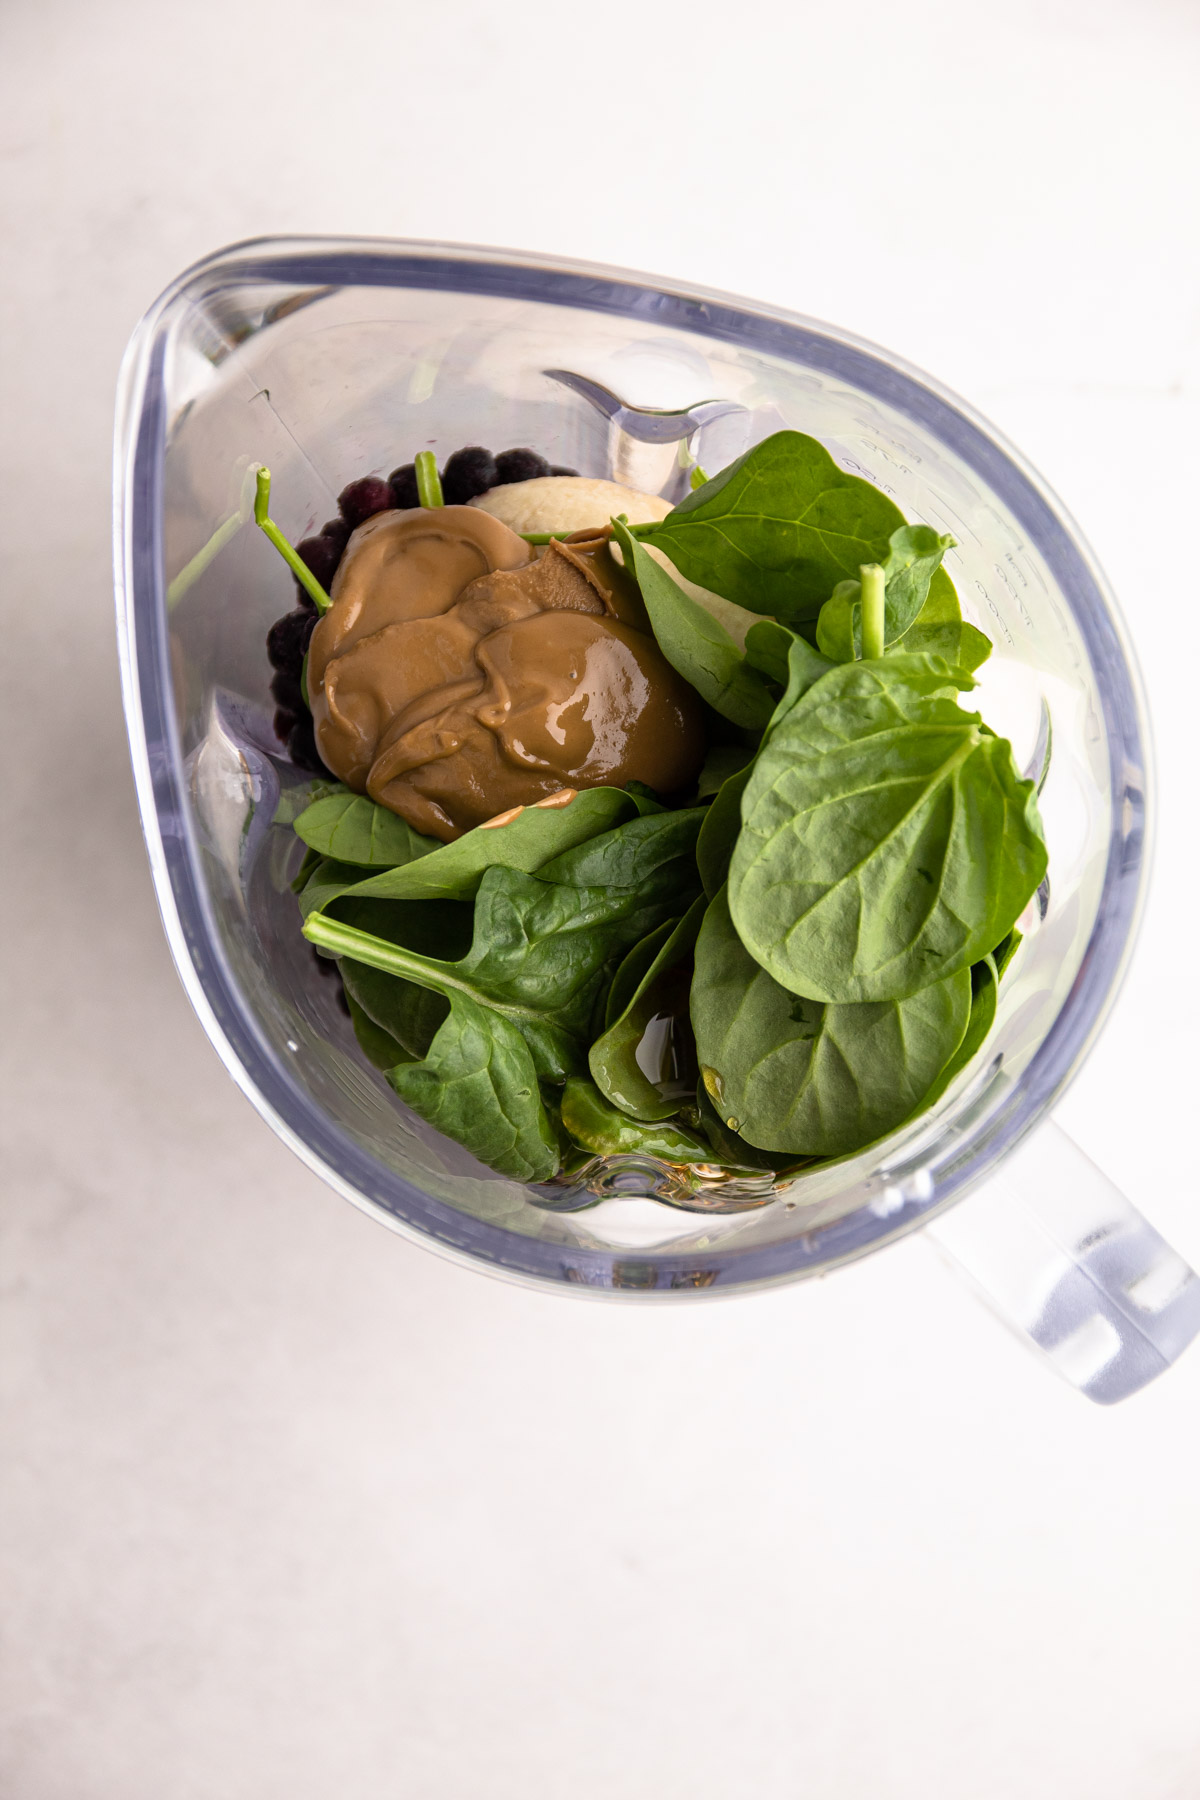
(790, 1074)
(648, 853)
(722, 761)
(778, 528)
(376, 1044)
(887, 839)
(479, 1086)
(542, 944)
(353, 829)
(631, 969)
(595, 1125)
(914, 555)
(983, 1016)
(719, 832)
(694, 643)
(613, 1059)
(531, 837)
(961, 645)
(1004, 952)
(406, 1014)
(785, 658)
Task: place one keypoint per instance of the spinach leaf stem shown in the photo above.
(871, 577)
(303, 574)
(429, 485)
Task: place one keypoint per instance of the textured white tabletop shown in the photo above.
(292, 1510)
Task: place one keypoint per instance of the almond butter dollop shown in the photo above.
(459, 673)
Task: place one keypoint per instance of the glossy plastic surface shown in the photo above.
(331, 360)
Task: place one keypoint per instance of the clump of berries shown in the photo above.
(467, 474)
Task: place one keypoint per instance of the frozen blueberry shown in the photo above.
(467, 473)
(338, 530)
(285, 689)
(288, 637)
(561, 469)
(302, 746)
(363, 499)
(282, 724)
(403, 483)
(322, 556)
(520, 465)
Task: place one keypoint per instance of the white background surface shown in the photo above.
(292, 1509)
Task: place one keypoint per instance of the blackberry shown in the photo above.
(467, 473)
(561, 469)
(285, 690)
(363, 499)
(282, 724)
(403, 483)
(338, 530)
(519, 465)
(322, 556)
(302, 746)
(288, 639)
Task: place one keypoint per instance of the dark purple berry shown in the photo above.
(520, 465)
(561, 469)
(338, 530)
(288, 637)
(363, 499)
(285, 690)
(302, 746)
(305, 601)
(282, 724)
(403, 483)
(467, 473)
(322, 556)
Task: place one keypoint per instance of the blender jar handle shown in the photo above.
(1061, 1255)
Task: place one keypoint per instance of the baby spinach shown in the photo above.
(597, 1126)
(694, 643)
(354, 829)
(887, 839)
(778, 528)
(478, 1084)
(793, 1075)
(541, 944)
(613, 1058)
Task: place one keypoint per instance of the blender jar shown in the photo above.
(328, 360)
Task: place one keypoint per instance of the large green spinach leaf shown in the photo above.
(793, 1075)
(613, 1059)
(887, 838)
(478, 1084)
(778, 528)
(694, 643)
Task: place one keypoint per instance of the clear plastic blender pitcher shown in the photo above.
(329, 360)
